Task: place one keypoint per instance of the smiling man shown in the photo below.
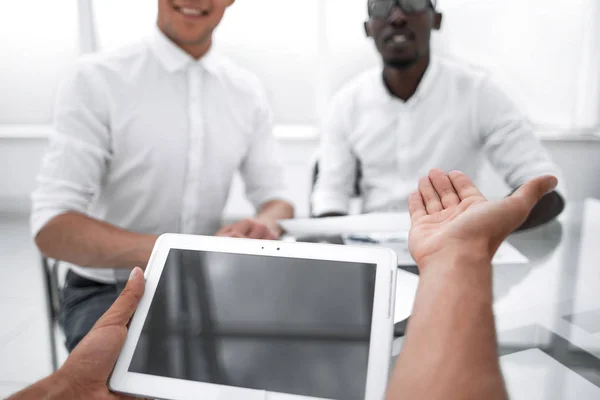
(420, 112)
(146, 141)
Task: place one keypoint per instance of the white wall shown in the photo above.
(20, 160)
(38, 43)
(543, 52)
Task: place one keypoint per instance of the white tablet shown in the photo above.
(245, 319)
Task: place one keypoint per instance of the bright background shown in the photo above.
(543, 52)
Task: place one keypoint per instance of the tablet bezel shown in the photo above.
(132, 383)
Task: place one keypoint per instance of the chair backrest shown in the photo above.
(50, 273)
(315, 176)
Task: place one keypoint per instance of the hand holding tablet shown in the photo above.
(239, 318)
(85, 373)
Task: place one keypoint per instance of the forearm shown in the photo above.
(273, 211)
(547, 209)
(450, 348)
(51, 388)
(81, 240)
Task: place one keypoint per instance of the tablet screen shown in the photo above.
(286, 325)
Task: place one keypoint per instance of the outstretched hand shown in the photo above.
(449, 214)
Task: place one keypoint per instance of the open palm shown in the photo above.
(449, 213)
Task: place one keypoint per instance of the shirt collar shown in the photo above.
(428, 80)
(425, 86)
(174, 59)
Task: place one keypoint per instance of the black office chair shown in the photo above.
(50, 270)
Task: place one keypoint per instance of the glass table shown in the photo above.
(547, 317)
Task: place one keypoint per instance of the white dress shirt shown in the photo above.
(456, 117)
(148, 139)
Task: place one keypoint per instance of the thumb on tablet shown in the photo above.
(87, 369)
(123, 308)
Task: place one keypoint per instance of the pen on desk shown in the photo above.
(362, 238)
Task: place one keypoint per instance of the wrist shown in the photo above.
(459, 257)
(62, 387)
(271, 224)
(54, 387)
(145, 250)
(470, 276)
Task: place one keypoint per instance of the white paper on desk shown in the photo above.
(376, 222)
(398, 241)
(406, 291)
(508, 254)
(382, 227)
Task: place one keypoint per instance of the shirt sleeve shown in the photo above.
(337, 162)
(262, 169)
(76, 159)
(509, 140)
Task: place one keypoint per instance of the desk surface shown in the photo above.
(548, 312)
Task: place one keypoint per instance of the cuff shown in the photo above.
(323, 203)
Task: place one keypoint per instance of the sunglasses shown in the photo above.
(383, 8)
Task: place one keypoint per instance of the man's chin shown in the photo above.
(193, 38)
(400, 63)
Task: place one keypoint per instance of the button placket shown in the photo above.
(189, 213)
(402, 140)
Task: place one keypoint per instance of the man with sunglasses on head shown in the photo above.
(421, 112)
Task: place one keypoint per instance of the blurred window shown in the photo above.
(542, 52)
(39, 43)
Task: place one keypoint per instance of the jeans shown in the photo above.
(83, 303)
